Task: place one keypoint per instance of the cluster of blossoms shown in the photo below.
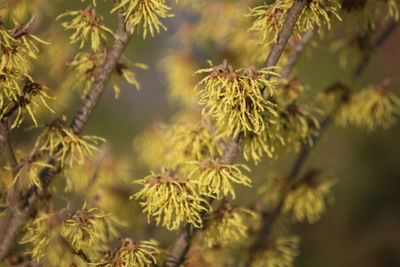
(20, 93)
(145, 13)
(235, 100)
(227, 224)
(270, 17)
(131, 253)
(217, 179)
(187, 139)
(85, 65)
(173, 201)
(371, 108)
(86, 25)
(86, 231)
(179, 69)
(32, 97)
(278, 252)
(255, 107)
(304, 199)
(364, 18)
(190, 141)
(60, 141)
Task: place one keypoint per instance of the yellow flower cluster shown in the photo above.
(68, 147)
(32, 97)
(371, 108)
(85, 65)
(256, 145)
(19, 92)
(140, 254)
(173, 201)
(146, 13)
(179, 68)
(123, 70)
(150, 146)
(317, 13)
(216, 179)
(188, 141)
(375, 107)
(29, 173)
(86, 231)
(88, 228)
(296, 126)
(226, 225)
(235, 100)
(269, 20)
(17, 49)
(119, 168)
(279, 252)
(306, 199)
(86, 24)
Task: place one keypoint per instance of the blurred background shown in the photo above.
(361, 229)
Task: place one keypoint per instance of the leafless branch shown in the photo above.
(8, 149)
(19, 213)
(379, 41)
(298, 50)
(5, 139)
(180, 247)
(305, 151)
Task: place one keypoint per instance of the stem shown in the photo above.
(102, 76)
(269, 220)
(381, 39)
(20, 212)
(180, 247)
(298, 50)
(5, 139)
(8, 149)
(284, 35)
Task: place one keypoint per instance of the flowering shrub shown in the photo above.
(66, 200)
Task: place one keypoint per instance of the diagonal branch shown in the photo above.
(5, 139)
(8, 149)
(179, 249)
(379, 41)
(298, 50)
(269, 220)
(19, 213)
(284, 35)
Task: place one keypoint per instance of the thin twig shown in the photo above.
(22, 29)
(305, 151)
(379, 41)
(19, 214)
(5, 139)
(270, 218)
(76, 202)
(180, 247)
(284, 35)
(8, 149)
(298, 50)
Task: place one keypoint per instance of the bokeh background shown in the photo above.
(361, 229)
